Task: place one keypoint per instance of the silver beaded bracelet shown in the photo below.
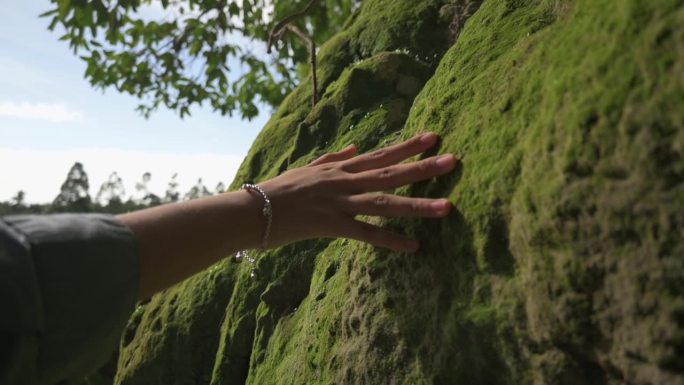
(267, 212)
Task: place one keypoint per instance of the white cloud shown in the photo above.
(42, 111)
(41, 173)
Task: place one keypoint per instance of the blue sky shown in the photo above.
(50, 118)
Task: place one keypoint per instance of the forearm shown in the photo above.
(178, 240)
(321, 200)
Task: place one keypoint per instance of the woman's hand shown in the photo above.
(322, 199)
(177, 240)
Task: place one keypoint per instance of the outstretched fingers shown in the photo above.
(387, 205)
(377, 171)
(391, 155)
(402, 174)
(344, 154)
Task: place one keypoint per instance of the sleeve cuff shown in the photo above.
(87, 272)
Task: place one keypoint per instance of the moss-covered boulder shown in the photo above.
(563, 261)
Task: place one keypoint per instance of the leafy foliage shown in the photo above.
(183, 53)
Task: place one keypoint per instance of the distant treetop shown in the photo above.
(183, 53)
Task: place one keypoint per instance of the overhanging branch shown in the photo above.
(285, 25)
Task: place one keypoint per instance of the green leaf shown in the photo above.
(49, 13)
(233, 9)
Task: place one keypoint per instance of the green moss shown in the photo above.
(545, 109)
(182, 325)
(561, 262)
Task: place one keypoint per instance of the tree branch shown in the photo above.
(276, 32)
(285, 25)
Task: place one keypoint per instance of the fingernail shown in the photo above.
(428, 138)
(440, 204)
(445, 161)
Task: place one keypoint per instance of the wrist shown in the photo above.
(265, 213)
(242, 219)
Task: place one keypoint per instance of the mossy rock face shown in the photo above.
(563, 260)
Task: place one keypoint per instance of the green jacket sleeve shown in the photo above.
(68, 283)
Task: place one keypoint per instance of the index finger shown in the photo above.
(391, 155)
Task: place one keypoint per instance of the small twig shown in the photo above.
(276, 32)
(180, 39)
(284, 25)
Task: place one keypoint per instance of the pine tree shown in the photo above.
(111, 192)
(74, 195)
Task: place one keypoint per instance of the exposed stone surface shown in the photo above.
(563, 261)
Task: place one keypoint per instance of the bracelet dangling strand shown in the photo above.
(267, 212)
